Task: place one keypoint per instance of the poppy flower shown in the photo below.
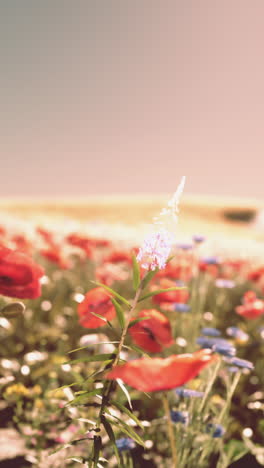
(84, 243)
(179, 295)
(257, 274)
(152, 334)
(176, 272)
(96, 301)
(54, 255)
(252, 307)
(157, 374)
(47, 236)
(21, 243)
(19, 275)
(119, 256)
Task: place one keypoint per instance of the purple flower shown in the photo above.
(237, 333)
(210, 331)
(211, 260)
(188, 393)
(216, 430)
(243, 363)
(184, 246)
(181, 307)
(224, 283)
(198, 239)
(155, 250)
(125, 443)
(180, 416)
(219, 345)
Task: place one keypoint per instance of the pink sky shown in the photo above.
(124, 97)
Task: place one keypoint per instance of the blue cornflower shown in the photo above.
(224, 283)
(184, 246)
(237, 333)
(125, 443)
(219, 345)
(180, 416)
(210, 331)
(198, 239)
(211, 260)
(216, 430)
(233, 369)
(181, 307)
(243, 363)
(188, 393)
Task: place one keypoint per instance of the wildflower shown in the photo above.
(252, 307)
(216, 430)
(243, 363)
(180, 416)
(157, 374)
(188, 393)
(219, 345)
(184, 246)
(96, 301)
(19, 275)
(238, 334)
(119, 256)
(84, 243)
(211, 260)
(198, 239)
(54, 255)
(157, 245)
(180, 307)
(152, 334)
(155, 250)
(210, 265)
(224, 283)
(210, 331)
(178, 295)
(125, 443)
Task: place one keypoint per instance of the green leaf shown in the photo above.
(158, 291)
(129, 413)
(149, 277)
(92, 344)
(119, 313)
(124, 389)
(111, 436)
(102, 318)
(114, 293)
(136, 273)
(13, 310)
(133, 322)
(94, 358)
(83, 397)
(124, 427)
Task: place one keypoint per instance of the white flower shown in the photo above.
(157, 245)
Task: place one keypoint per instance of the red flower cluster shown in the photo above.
(152, 334)
(96, 301)
(19, 275)
(252, 306)
(179, 295)
(152, 375)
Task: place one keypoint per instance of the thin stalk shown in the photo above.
(229, 396)
(210, 384)
(170, 430)
(109, 384)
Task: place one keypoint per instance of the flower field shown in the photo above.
(144, 352)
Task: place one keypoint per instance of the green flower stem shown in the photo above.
(108, 386)
(210, 384)
(229, 396)
(166, 407)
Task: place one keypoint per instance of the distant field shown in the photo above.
(208, 215)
